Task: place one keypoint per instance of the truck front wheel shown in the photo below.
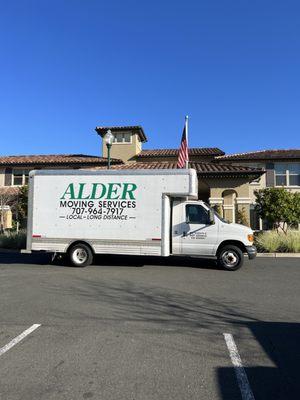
(230, 257)
(80, 255)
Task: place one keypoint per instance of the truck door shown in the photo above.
(195, 235)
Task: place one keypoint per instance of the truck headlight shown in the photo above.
(250, 238)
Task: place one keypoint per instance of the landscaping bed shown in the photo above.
(13, 240)
(278, 242)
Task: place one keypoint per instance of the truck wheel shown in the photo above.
(80, 255)
(230, 258)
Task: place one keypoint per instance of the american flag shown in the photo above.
(183, 155)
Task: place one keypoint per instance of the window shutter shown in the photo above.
(8, 177)
(270, 175)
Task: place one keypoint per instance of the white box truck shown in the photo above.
(139, 212)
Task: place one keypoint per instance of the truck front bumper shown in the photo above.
(251, 251)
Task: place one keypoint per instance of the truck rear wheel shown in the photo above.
(80, 255)
(230, 257)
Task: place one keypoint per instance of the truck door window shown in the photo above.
(196, 214)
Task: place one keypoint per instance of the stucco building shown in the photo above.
(282, 170)
(227, 182)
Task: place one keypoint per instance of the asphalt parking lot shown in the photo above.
(131, 328)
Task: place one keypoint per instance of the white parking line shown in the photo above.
(18, 339)
(240, 373)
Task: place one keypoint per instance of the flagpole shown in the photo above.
(187, 138)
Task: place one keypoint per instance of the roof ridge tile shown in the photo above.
(269, 153)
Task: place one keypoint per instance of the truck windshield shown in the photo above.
(221, 218)
(218, 215)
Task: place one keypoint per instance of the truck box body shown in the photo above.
(115, 212)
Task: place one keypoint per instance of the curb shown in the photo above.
(279, 255)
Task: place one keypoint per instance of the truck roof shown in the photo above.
(152, 172)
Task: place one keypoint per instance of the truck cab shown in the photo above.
(197, 230)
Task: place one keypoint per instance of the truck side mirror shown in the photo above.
(211, 217)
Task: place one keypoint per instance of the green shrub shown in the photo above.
(272, 241)
(268, 241)
(13, 240)
(241, 217)
(293, 242)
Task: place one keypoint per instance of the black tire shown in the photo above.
(230, 257)
(80, 255)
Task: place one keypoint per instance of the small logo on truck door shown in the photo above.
(198, 235)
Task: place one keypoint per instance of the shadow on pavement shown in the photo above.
(122, 300)
(19, 258)
(140, 261)
(280, 341)
(153, 309)
(109, 260)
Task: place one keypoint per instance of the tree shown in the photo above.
(21, 209)
(293, 217)
(278, 206)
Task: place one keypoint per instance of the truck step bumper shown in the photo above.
(251, 251)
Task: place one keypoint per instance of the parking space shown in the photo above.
(13, 342)
(146, 329)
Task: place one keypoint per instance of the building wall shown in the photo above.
(124, 151)
(2, 174)
(266, 180)
(7, 213)
(240, 185)
(231, 196)
(262, 184)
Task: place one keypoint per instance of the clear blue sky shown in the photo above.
(69, 65)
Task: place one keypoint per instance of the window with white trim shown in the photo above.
(124, 137)
(20, 177)
(294, 174)
(287, 174)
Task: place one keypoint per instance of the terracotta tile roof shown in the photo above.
(262, 155)
(203, 169)
(54, 159)
(193, 151)
(9, 190)
(101, 130)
